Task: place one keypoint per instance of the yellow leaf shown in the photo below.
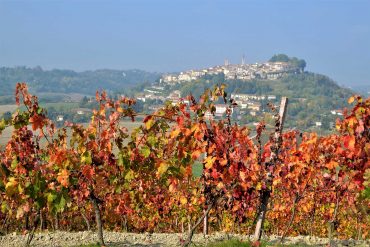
(276, 182)
(209, 162)
(11, 186)
(351, 99)
(149, 123)
(130, 175)
(175, 133)
(194, 128)
(86, 158)
(367, 148)
(259, 186)
(331, 210)
(220, 185)
(4, 207)
(20, 212)
(162, 168)
(20, 189)
(183, 200)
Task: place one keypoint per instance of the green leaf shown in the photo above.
(40, 202)
(51, 197)
(2, 125)
(4, 170)
(120, 160)
(60, 203)
(86, 158)
(14, 163)
(366, 192)
(152, 140)
(129, 175)
(145, 151)
(4, 207)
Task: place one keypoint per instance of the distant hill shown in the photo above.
(312, 97)
(69, 81)
(306, 85)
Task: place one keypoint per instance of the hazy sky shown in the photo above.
(169, 35)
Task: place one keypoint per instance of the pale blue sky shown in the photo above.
(169, 35)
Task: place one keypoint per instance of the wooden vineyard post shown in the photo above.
(205, 220)
(266, 193)
(205, 223)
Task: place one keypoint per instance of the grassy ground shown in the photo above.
(7, 133)
(88, 245)
(230, 243)
(226, 243)
(6, 108)
(61, 106)
(5, 136)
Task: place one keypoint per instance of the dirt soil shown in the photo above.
(59, 238)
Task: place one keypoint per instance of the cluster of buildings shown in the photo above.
(267, 70)
(251, 102)
(247, 103)
(78, 112)
(156, 93)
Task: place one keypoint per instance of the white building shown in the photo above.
(60, 118)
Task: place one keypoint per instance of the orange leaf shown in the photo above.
(195, 155)
(223, 162)
(37, 122)
(188, 132)
(332, 164)
(63, 177)
(243, 175)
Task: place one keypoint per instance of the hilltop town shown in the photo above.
(314, 99)
(275, 68)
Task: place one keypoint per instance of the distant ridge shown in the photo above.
(69, 81)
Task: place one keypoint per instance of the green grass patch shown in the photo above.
(230, 243)
(60, 106)
(88, 245)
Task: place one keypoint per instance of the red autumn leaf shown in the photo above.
(349, 142)
(88, 171)
(180, 121)
(37, 122)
